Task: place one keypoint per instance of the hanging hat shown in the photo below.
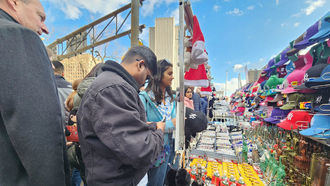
(312, 73)
(320, 53)
(284, 58)
(296, 78)
(321, 102)
(198, 52)
(206, 91)
(323, 80)
(323, 29)
(320, 124)
(296, 119)
(196, 77)
(307, 35)
(278, 97)
(277, 115)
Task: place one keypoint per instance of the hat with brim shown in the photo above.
(289, 105)
(277, 115)
(324, 30)
(320, 123)
(270, 64)
(323, 135)
(311, 31)
(322, 81)
(296, 119)
(289, 90)
(323, 109)
(286, 125)
(277, 98)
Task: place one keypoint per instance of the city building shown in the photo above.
(164, 42)
(77, 67)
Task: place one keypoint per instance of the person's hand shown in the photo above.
(68, 143)
(160, 125)
(174, 122)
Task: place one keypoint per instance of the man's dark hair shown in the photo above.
(145, 53)
(59, 67)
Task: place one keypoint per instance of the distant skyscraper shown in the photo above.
(164, 41)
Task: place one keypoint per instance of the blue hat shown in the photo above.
(324, 29)
(324, 135)
(323, 81)
(319, 124)
(289, 68)
(323, 109)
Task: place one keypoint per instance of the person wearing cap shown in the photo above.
(31, 130)
(117, 144)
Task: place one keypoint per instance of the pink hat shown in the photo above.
(269, 98)
(296, 77)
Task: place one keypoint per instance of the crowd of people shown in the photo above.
(113, 127)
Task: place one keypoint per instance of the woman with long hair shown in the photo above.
(188, 93)
(159, 104)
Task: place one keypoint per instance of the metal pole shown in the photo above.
(135, 23)
(179, 134)
(226, 83)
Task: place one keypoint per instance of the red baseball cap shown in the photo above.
(296, 119)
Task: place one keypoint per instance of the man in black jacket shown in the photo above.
(31, 132)
(118, 146)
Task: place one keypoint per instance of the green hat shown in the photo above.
(295, 99)
(291, 102)
(272, 82)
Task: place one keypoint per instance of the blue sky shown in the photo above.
(237, 32)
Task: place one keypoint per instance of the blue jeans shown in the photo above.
(75, 178)
(157, 175)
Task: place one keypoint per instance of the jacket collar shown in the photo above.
(5, 15)
(118, 69)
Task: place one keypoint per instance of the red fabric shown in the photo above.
(73, 133)
(197, 77)
(207, 89)
(296, 119)
(197, 32)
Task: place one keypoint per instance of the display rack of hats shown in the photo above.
(291, 97)
(293, 87)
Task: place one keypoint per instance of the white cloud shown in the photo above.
(145, 36)
(237, 67)
(73, 8)
(236, 11)
(277, 2)
(216, 8)
(148, 6)
(175, 14)
(250, 7)
(232, 85)
(313, 5)
(296, 24)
